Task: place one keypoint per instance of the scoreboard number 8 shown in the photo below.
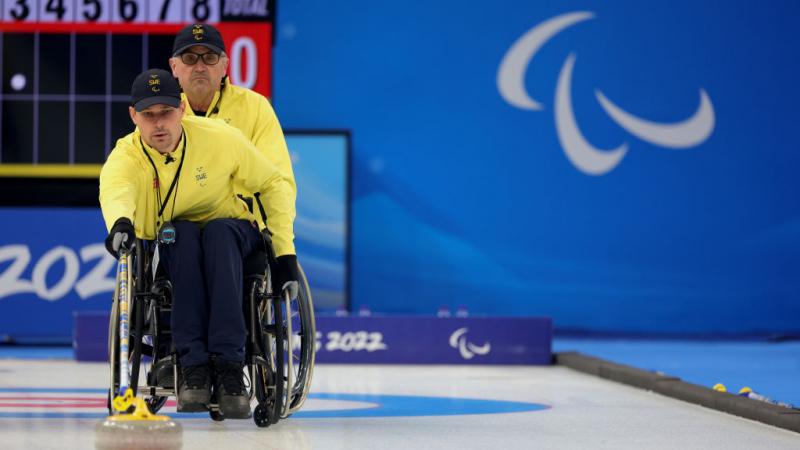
(200, 10)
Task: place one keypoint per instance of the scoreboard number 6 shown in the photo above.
(128, 9)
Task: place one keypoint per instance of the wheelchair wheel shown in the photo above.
(303, 348)
(261, 415)
(266, 393)
(269, 387)
(289, 337)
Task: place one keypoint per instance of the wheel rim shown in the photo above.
(303, 320)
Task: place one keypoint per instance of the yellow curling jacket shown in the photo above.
(251, 113)
(216, 157)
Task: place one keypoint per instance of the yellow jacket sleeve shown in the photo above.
(119, 186)
(257, 174)
(268, 138)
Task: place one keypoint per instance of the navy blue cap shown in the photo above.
(155, 86)
(198, 34)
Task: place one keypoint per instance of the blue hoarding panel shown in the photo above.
(617, 165)
(390, 340)
(52, 262)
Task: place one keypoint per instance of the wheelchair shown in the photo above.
(279, 350)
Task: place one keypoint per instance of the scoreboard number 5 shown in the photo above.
(94, 7)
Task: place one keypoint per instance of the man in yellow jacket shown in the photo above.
(172, 179)
(199, 62)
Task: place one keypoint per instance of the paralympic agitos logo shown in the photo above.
(583, 155)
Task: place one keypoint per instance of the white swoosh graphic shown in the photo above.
(587, 158)
(511, 75)
(467, 350)
(685, 134)
(457, 334)
(482, 350)
(466, 354)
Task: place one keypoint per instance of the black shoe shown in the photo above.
(194, 392)
(234, 402)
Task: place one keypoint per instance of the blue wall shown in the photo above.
(462, 198)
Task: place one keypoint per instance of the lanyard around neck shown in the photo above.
(157, 180)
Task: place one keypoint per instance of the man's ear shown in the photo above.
(132, 113)
(172, 65)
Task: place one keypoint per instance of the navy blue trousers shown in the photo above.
(205, 267)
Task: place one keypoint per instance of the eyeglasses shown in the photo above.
(191, 59)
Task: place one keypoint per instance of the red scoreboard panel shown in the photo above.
(66, 67)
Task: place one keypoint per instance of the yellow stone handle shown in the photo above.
(123, 402)
(140, 412)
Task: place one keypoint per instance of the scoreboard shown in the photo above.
(66, 67)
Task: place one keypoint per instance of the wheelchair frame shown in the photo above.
(279, 350)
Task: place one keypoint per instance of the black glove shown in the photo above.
(120, 237)
(286, 275)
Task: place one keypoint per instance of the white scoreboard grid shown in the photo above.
(66, 67)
